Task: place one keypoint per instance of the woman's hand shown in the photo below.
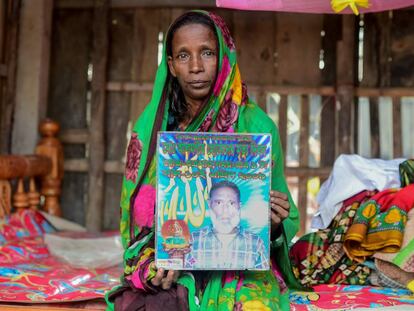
(165, 281)
(279, 208)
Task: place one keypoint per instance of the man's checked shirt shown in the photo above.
(246, 251)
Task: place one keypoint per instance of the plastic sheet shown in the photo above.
(82, 250)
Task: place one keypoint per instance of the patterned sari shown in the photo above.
(228, 109)
(319, 257)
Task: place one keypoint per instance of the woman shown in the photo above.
(198, 87)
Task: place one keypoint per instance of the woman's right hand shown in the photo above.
(165, 281)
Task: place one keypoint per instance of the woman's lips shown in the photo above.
(199, 84)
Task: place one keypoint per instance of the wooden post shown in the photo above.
(345, 86)
(8, 89)
(20, 199)
(374, 126)
(283, 108)
(33, 195)
(303, 161)
(5, 198)
(94, 210)
(396, 124)
(51, 147)
(32, 78)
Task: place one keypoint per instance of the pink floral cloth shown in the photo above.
(309, 6)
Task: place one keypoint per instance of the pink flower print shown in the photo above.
(222, 76)
(133, 157)
(228, 277)
(245, 97)
(220, 23)
(144, 205)
(207, 122)
(228, 114)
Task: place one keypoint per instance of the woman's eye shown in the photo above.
(182, 56)
(208, 53)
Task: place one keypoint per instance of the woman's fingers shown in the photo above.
(176, 276)
(277, 194)
(282, 203)
(280, 211)
(275, 218)
(170, 279)
(165, 281)
(156, 280)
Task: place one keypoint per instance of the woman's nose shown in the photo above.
(196, 64)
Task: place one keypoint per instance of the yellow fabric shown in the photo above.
(340, 5)
(410, 286)
(358, 244)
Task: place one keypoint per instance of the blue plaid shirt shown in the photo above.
(245, 251)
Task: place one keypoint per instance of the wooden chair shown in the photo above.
(46, 166)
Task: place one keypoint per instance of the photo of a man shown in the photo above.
(224, 244)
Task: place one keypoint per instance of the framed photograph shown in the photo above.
(212, 209)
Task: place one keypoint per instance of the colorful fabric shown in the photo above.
(21, 236)
(22, 224)
(227, 110)
(379, 224)
(404, 258)
(390, 273)
(407, 173)
(314, 6)
(49, 280)
(319, 258)
(246, 249)
(350, 297)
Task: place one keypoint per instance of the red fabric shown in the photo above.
(402, 198)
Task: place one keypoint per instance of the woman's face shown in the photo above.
(194, 60)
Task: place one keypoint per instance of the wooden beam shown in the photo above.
(3, 70)
(74, 136)
(345, 86)
(328, 124)
(283, 121)
(80, 4)
(303, 161)
(396, 127)
(115, 86)
(384, 91)
(18, 166)
(95, 206)
(374, 126)
(301, 172)
(8, 89)
(76, 165)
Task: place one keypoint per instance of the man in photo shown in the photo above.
(224, 244)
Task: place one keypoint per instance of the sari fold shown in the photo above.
(379, 224)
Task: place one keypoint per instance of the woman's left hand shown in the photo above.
(279, 208)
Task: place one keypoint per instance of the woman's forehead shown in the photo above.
(193, 34)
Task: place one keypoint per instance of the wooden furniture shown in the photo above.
(24, 171)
